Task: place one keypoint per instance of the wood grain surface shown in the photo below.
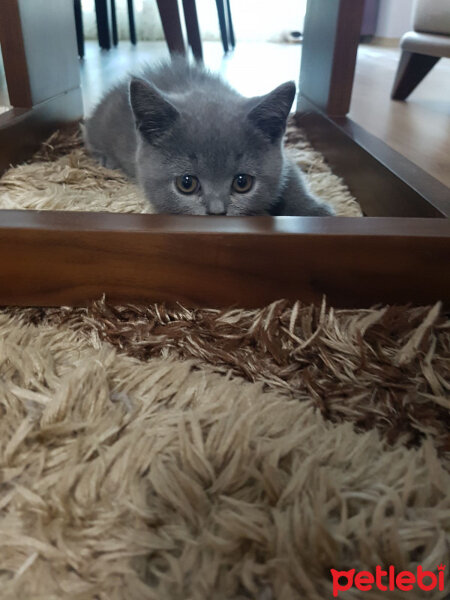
(52, 259)
(385, 183)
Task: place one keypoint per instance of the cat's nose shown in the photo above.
(216, 207)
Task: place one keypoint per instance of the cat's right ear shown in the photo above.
(153, 114)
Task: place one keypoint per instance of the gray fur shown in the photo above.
(180, 119)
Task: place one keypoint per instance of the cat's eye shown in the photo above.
(242, 183)
(187, 184)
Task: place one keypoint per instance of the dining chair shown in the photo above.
(107, 23)
(105, 12)
(226, 25)
(423, 47)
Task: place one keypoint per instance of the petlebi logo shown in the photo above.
(386, 581)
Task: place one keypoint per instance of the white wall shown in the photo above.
(395, 18)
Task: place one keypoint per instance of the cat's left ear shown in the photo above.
(271, 112)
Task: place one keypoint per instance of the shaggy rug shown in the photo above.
(162, 453)
(62, 176)
(287, 441)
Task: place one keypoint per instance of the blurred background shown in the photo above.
(267, 52)
(272, 25)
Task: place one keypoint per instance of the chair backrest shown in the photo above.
(432, 16)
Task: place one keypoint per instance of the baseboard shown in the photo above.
(385, 42)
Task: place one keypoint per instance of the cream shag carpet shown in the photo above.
(62, 176)
(173, 454)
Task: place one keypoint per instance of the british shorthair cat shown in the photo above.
(197, 147)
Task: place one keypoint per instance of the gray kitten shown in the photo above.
(198, 147)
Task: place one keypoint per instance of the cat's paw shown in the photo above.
(105, 161)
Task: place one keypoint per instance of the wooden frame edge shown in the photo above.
(22, 130)
(385, 182)
(62, 258)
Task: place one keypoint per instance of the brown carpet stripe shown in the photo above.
(385, 368)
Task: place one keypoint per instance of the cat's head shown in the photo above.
(202, 153)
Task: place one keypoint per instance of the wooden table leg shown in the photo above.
(192, 28)
(40, 56)
(39, 47)
(330, 43)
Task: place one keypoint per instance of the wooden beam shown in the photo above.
(52, 259)
(330, 42)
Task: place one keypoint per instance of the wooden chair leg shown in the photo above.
(101, 13)
(411, 70)
(115, 36)
(79, 27)
(170, 19)
(230, 26)
(222, 24)
(131, 22)
(192, 28)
